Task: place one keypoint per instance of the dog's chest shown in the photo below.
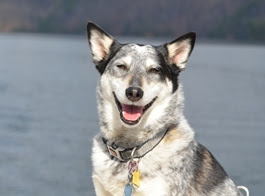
(155, 177)
(115, 178)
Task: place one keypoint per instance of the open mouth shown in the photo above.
(131, 114)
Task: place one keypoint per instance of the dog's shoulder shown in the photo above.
(197, 164)
(208, 175)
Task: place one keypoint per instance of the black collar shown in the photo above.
(125, 154)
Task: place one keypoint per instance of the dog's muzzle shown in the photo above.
(131, 114)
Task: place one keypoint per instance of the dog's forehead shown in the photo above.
(135, 52)
(139, 49)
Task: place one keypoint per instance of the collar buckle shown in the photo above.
(115, 152)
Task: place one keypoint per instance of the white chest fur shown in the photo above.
(111, 176)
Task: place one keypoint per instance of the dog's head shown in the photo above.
(137, 81)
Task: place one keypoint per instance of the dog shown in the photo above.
(145, 145)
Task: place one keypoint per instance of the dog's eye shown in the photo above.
(123, 67)
(154, 71)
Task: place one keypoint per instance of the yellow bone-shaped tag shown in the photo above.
(136, 178)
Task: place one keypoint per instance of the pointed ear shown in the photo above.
(180, 49)
(99, 42)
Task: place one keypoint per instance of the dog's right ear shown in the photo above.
(100, 44)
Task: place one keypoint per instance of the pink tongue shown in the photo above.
(131, 112)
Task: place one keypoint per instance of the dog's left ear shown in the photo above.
(180, 49)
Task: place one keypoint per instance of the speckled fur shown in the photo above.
(178, 165)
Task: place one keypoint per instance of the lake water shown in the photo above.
(48, 113)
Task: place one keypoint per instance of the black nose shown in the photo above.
(134, 93)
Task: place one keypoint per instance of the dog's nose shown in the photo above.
(134, 93)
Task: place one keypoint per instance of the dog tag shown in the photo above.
(128, 190)
(136, 178)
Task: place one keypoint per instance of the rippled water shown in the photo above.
(48, 113)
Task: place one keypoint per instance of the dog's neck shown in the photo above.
(139, 151)
(130, 138)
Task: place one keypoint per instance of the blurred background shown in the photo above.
(48, 112)
(241, 20)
